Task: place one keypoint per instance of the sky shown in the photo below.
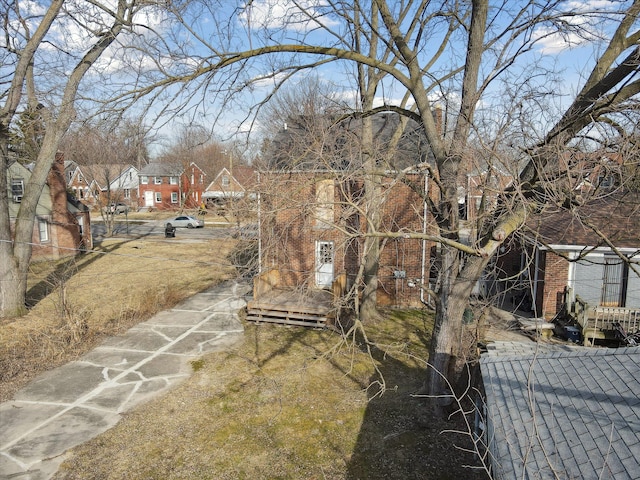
(284, 22)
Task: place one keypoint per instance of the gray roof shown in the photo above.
(567, 413)
(161, 170)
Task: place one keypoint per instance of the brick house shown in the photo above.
(310, 231)
(561, 253)
(166, 186)
(79, 184)
(62, 225)
(231, 185)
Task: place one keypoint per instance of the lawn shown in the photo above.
(289, 403)
(78, 301)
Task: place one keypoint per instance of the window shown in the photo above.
(201, 178)
(17, 189)
(157, 180)
(144, 179)
(158, 197)
(225, 181)
(324, 203)
(192, 179)
(613, 282)
(127, 193)
(173, 180)
(43, 230)
(80, 176)
(174, 197)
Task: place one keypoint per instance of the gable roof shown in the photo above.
(564, 414)
(101, 174)
(158, 169)
(617, 216)
(244, 175)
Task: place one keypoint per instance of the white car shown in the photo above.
(184, 221)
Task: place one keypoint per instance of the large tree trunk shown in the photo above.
(15, 253)
(447, 355)
(13, 281)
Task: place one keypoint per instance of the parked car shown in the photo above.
(117, 208)
(184, 221)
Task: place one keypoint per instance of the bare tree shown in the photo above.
(465, 54)
(43, 72)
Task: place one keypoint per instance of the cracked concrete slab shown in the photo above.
(71, 404)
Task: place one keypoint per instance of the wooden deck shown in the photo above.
(311, 308)
(597, 322)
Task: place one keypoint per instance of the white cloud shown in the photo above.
(272, 14)
(585, 16)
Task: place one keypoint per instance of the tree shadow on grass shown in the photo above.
(64, 270)
(400, 439)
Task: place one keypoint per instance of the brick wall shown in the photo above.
(64, 230)
(553, 276)
(290, 230)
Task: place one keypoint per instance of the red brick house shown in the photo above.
(168, 186)
(79, 184)
(310, 231)
(63, 225)
(563, 252)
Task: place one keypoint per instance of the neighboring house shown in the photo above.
(310, 232)
(231, 185)
(481, 191)
(166, 186)
(563, 253)
(62, 225)
(112, 183)
(555, 412)
(78, 183)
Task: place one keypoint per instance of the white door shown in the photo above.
(324, 264)
(148, 198)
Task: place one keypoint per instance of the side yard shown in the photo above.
(289, 403)
(79, 301)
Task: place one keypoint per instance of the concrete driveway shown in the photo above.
(76, 402)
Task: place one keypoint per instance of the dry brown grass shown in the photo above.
(280, 407)
(78, 301)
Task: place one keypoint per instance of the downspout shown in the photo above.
(424, 240)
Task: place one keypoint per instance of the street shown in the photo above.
(155, 228)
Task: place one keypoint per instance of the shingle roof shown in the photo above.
(564, 414)
(161, 169)
(616, 216)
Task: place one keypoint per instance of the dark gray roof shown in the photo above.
(161, 170)
(328, 142)
(564, 414)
